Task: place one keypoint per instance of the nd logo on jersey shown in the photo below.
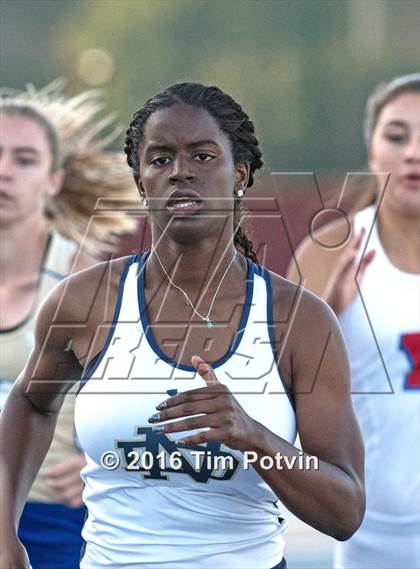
(410, 344)
(160, 455)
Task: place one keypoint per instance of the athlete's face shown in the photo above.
(395, 148)
(187, 173)
(25, 169)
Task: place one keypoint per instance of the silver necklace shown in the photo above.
(207, 317)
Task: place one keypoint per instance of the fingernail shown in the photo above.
(171, 393)
(154, 417)
(158, 428)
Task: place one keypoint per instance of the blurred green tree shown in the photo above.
(301, 68)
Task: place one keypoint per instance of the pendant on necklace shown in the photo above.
(209, 323)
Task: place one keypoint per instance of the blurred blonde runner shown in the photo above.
(53, 169)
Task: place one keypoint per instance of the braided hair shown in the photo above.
(231, 119)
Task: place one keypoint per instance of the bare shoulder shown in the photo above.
(294, 301)
(77, 291)
(67, 331)
(83, 260)
(318, 253)
(304, 326)
(80, 303)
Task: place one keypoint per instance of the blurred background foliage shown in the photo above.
(301, 68)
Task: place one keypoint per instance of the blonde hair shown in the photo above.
(78, 136)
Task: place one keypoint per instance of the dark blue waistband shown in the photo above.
(281, 565)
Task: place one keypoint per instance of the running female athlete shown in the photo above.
(192, 394)
(382, 326)
(52, 170)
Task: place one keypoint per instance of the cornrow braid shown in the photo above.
(231, 119)
(240, 240)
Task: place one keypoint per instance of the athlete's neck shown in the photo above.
(400, 238)
(196, 266)
(22, 246)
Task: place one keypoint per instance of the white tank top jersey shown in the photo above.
(15, 346)
(382, 331)
(200, 513)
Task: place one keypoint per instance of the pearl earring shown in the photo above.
(144, 202)
(240, 193)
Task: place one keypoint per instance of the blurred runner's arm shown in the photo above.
(330, 272)
(36, 405)
(314, 364)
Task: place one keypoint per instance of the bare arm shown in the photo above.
(313, 262)
(65, 334)
(64, 477)
(36, 404)
(83, 260)
(330, 272)
(330, 498)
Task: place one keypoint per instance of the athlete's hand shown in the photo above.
(212, 407)
(64, 479)
(12, 554)
(341, 287)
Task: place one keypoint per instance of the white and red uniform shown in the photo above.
(382, 331)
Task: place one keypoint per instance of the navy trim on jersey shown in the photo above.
(27, 318)
(263, 272)
(94, 363)
(149, 333)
